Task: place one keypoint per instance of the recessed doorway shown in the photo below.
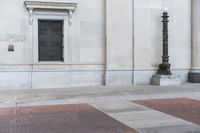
(50, 38)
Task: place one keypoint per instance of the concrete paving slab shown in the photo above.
(137, 117)
(147, 119)
(100, 93)
(172, 129)
(117, 107)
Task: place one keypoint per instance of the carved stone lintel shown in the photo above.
(32, 5)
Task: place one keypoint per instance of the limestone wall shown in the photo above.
(112, 42)
(14, 29)
(85, 48)
(119, 43)
(88, 33)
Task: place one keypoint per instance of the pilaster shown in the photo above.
(119, 42)
(194, 75)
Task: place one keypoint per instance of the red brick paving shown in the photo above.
(183, 108)
(80, 118)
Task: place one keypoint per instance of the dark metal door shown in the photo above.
(50, 35)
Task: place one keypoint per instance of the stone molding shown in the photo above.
(50, 5)
(33, 5)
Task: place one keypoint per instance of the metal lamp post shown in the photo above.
(164, 68)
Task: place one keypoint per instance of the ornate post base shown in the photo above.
(164, 69)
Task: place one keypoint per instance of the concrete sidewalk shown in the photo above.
(97, 94)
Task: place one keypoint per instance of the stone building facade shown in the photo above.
(102, 42)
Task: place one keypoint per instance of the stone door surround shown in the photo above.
(39, 10)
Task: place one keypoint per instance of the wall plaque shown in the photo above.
(11, 48)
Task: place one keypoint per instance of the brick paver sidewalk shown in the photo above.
(77, 118)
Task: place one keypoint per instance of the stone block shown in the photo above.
(114, 77)
(165, 80)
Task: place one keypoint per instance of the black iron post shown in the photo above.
(164, 68)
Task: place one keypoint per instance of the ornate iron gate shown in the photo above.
(50, 35)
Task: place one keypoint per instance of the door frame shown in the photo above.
(49, 15)
(62, 37)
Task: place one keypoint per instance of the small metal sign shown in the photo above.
(11, 48)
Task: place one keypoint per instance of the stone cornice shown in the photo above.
(50, 5)
(32, 5)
